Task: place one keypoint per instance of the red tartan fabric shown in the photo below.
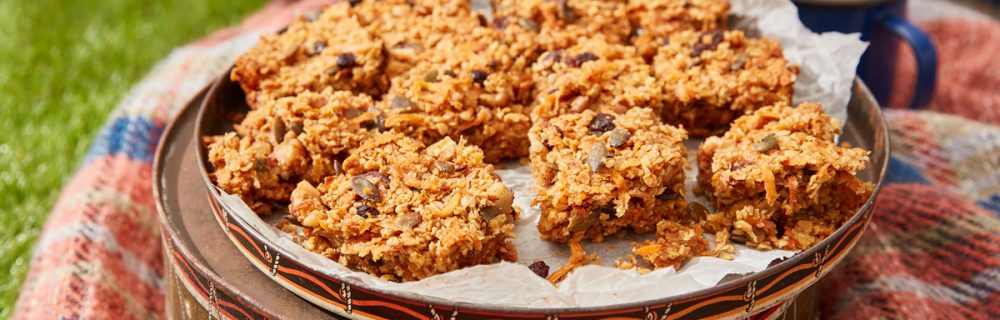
(968, 71)
(928, 254)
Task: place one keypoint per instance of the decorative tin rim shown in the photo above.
(779, 272)
(174, 245)
(225, 299)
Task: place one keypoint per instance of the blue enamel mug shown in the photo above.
(882, 23)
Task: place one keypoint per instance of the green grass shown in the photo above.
(64, 65)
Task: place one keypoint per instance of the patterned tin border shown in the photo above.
(758, 296)
(215, 298)
(218, 300)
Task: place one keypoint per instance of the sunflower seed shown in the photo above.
(595, 158)
(619, 137)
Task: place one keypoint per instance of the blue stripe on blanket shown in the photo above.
(135, 137)
(901, 172)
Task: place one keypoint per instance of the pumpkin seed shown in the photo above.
(738, 64)
(431, 76)
(490, 212)
(582, 223)
(767, 143)
(278, 129)
(506, 201)
(410, 220)
(365, 189)
(529, 24)
(401, 103)
(619, 137)
(337, 169)
(377, 177)
(444, 166)
(595, 158)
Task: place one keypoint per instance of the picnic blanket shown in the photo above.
(932, 251)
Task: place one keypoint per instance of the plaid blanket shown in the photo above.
(932, 251)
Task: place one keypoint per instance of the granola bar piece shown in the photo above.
(474, 92)
(560, 24)
(402, 211)
(656, 20)
(710, 79)
(778, 179)
(674, 244)
(592, 75)
(410, 30)
(598, 174)
(329, 50)
(287, 140)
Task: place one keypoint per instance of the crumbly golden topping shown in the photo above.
(597, 174)
(778, 179)
(709, 79)
(403, 211)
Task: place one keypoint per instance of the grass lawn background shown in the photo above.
(64, 65)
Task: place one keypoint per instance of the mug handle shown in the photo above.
(923, 50)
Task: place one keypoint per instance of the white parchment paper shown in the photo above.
(827, 63)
